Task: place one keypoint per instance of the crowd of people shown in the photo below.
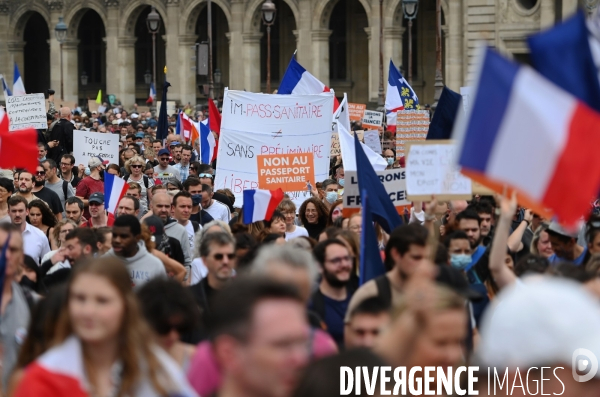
(174, 295)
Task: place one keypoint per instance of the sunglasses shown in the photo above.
(164, 329)
(220, 256)
(95, 204)
(38, 173)
(136, 166)
(205, 175)
(164, 159)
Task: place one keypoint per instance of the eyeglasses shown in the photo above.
(205, 176)
(164, 159)
(95, 204)
(65, 164)
(172, 188)
(220, 256)
(136, 166)
(340, 259)
(38, 173)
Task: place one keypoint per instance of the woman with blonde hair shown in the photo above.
(135, 168)
(102, 345)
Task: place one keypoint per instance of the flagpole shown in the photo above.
(210, 72)
(380, 100)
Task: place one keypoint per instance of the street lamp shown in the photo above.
(148, 77)
(60, 30)
(217, 79)
(410, 9)
(380, 100)
(84, 80)
(268, 16)
(153, 24)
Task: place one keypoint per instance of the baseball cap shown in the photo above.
(558, 229)
(164, 151)
(175, 143)
(134, 115)
(96, 161)
(156, 227)
(139, 135)
(97, 198)
(539, 320)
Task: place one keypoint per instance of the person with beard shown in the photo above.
(331, 299)
(24, 185)
(469, 222)
(35, 242)
(74, 210)
(405, 252)
(92, 183)
(80, 244)
(46, 195)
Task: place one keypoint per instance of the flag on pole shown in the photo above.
(214, 117)
(445, 114)
(162, 129)
(259, 204)
(381, 207)
(399, 96)
(114, 190)
(18, 87)
(515, 109)
(208, 144)
(7, 92)
(18, 149)
(186, 128)
(99, 97)
(371, 266)
(152, 95)
(298, 80)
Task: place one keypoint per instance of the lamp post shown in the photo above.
(211, 84)
(148, 77)
(268, 17)
(410, 9)
(153, 24)
(217, 79)
(84, 80)
(380, 100)
(439, 80)
(60, 30)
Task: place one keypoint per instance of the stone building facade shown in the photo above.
(336, 40)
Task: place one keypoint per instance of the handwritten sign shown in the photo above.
(88, 144)
(26, 111)
(430, 170)
(356, 111)
(372, 119)
(411, 126)
(394, 182)
(264, 124)
(291, 172)
(371, 138)
(335, 144)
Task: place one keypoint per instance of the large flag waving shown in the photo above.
(18, 149)
(214, 117)
(7, 91)
(298, 80)
(515, 109)
(18, 86)
(114, 190)
(371, 265)
(399, 96)
(208, 144)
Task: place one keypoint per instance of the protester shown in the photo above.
(24, 185)
(92, 183)
(194, 187)
(67, 162)
(183, 166)
(6, 190)
(288, 208)
(127, 246)
(46, 195)
(135, 167)
(163, 170)
(330, 187)
(199, 270)
(182, 209)
(336, 211)
(74, 210)
(62, 132)
(101, 319)
(540, 243)
(165, 248)
(42, 218)
(128, 205)
(216, 209)
(59, 233)
(564, 245)
(99, 217)
(276, 224)
(35, 242)
(62, 188)
(365, 323)
(313, 215)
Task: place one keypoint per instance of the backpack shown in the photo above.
(196, 226)
(384, 289)
(126, 176)
(65, 189)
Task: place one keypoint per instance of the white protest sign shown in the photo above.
(393, 180)
(430, 170)
(254, 124)
(26, 111)
(372, 119)
(371, 138)
(466, 97)
(88, 144)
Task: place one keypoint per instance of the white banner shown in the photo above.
(254, 124)
(27, 111)
(393, 180)
(88, 144)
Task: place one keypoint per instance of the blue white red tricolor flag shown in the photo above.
(259, 204)
(18, 86)
(208, 143)
(5, 88)
(114, 190)
(516, 109)
(399, 96)
(298, 80)
(186, 128)
(152, 94)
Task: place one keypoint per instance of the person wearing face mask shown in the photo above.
(330, 187)
(339, 176)
(194, 187)
(92, 183)
(390, 156)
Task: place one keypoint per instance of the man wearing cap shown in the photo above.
(98, 215)
(163, 169)
(564, 244)
(92, 183)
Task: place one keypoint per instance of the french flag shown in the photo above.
(298, 80)
(399, 96)
(527, 134)
(208, 143)
(5, 88)
(114, 189)
(152, 94)
(18, 86)
(259, 205)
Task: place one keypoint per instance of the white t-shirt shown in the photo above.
(299, 232)
(219, 211)
(189, 228)
(199, 271)
(144, 194)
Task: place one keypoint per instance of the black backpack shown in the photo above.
(65, 189)
(126, 176)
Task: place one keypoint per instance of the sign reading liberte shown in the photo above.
(26, 111)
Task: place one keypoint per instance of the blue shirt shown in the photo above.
(335, 311)
(554, 259)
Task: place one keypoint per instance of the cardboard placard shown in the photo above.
(335, 144)
(93, 105)
(372, 119)
(393, 180)
(371, 138)
(290, 172)
(88, 144)
(411, 126)
(170, 107)
(430, 171)
(356, 111)
(26, 111)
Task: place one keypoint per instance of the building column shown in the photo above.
(454, 46)
(126, 71)
(187, 69)
(172, 49)
(392, 48)
(71, 70)
(320, 54)
(4, 55)
(236, 45)
(54, 54)
(15, 51)
(304, 36)
(112, 48)
(251, 57)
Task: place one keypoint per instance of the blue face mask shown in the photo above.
(341, 182)
(196, 199)
(331, 197)
(390, 160)
(87, 171)
(460, 261)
